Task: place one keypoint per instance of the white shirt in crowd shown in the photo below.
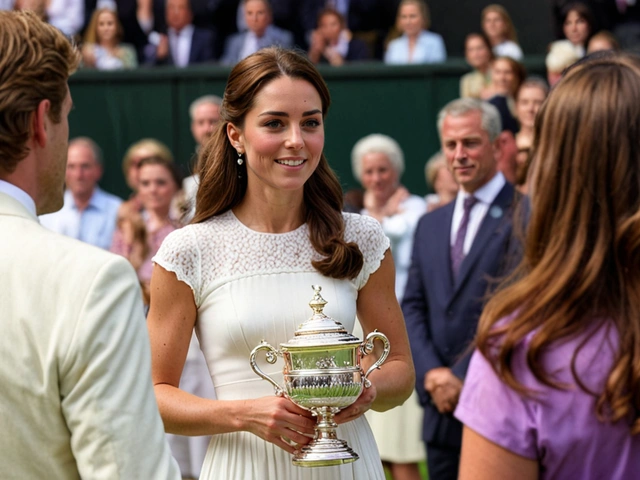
(180, 45)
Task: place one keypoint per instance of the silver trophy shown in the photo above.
(322, 374)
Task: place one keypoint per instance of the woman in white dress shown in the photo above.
(268, 225)
(377, 162)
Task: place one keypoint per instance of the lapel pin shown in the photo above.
(495, 211)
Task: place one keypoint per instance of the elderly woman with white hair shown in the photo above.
(378, 164)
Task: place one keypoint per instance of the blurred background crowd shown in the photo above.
(121, 34)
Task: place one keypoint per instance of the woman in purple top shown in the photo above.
(553, 390)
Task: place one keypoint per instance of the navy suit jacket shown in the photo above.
(442, 315)
(201, 51)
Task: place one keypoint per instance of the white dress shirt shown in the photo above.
(19, 195)
(485, 196)
(250, 44)
(180, 44)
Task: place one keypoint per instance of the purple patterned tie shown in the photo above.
(457, 251)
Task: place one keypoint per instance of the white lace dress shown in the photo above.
(249, 286)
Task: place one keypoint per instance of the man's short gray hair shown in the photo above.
(211, 99)
(378, 143)
(91, 145)
(491, 122)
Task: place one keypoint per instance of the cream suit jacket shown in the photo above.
(76, 399)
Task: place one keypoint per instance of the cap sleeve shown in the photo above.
(373, 243)
(179, 253)
(495, 411)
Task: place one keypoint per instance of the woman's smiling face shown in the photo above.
(283, 135)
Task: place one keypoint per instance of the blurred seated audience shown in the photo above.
(507, 75)
(159, 181)
(578, 25)
(416, 44)
(479, 55)
(560, 57)
(89, 213)
(102, 47)
(440, 179)
(184, 44)
(260, 33)
(529, 99)
(368, 20)
(497, 25)
(147, 147)
(603, 41)
(333, 43)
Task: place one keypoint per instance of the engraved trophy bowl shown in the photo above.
(322, 374)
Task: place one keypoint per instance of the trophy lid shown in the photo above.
(320, 329)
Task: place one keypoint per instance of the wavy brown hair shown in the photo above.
(223, 184)
(35, 63)
(582, 255)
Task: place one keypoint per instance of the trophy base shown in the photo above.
(324, 452)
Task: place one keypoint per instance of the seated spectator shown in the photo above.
(479, 55)
(184, 44)
(102, 48)
(497, 25)
(602, 41)
(159, 181)
(440, 179)
(147, 147)
(260, 34)
(577, 26)
(529, 99)
(417, 44)
(333, 43)
(507, 75)
(89, 213)
(560, 57)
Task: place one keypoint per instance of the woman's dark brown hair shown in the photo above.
(223, 184)
(581, 264)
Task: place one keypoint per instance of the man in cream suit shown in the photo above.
(76, 398)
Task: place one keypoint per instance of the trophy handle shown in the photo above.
(272, 357)
(367, 347)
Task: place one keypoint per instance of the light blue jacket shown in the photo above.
(429, 49)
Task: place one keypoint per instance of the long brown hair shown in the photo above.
(582, 255)
(223, 184)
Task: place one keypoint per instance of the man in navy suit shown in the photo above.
(458, 250)
(184, 44)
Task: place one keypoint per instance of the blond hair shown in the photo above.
(155, 147)
(91, 35)
(35, 64)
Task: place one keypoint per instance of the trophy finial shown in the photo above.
(317, 303)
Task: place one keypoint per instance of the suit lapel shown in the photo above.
(490, 224)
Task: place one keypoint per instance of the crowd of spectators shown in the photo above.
(118, 34)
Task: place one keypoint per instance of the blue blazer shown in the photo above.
(442, 315)
(272, 36)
